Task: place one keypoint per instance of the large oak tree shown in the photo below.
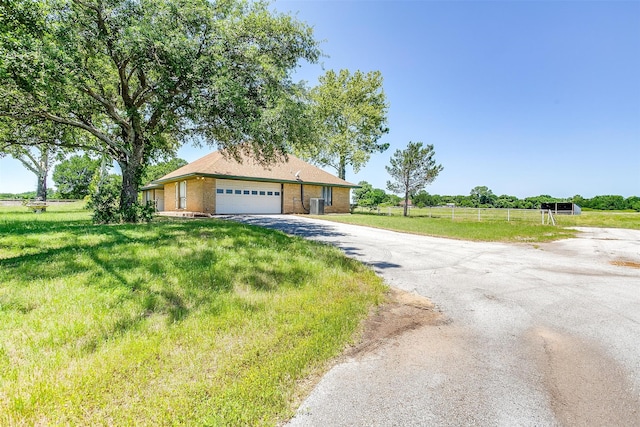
(144, 76)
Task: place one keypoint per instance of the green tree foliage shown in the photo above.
(350, 116)
(607, 202)
(423, 199)
(505, 202)
(633, 203)
(73, 176)
(412, 169)
(482, 196)
(160, 169)
(368, 196)
(143, 77)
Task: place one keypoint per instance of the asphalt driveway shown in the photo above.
(536, 335)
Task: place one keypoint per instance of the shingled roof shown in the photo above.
(215, 165)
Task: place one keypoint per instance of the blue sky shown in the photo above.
(525, 97)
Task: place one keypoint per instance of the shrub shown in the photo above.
(104, 200)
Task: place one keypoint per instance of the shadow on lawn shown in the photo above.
(166, 267)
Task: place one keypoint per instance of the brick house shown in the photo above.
(215, 184)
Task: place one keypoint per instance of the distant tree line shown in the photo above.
(78, 176)
(483, 197)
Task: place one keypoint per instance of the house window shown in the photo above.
(269, 193)
(327, 195)
(246, 191)
(220, 191)
(181, 195)
(262, 193)
(229, 191)
(238, 191)
(254, 192)
(277, 193)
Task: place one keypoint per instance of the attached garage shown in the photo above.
(244, 197)
(218, 184)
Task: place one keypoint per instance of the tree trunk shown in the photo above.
(43, 171)
(406, 202)
(132, 168)
(131, 173)
(41, 192)
(342, 172)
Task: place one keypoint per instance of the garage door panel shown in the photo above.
(234, 197)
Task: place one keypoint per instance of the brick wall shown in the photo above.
(201, 197)
(170, 196)
(341, 201)
(209, 197)
(291, 199)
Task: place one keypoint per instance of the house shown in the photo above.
(215, 184)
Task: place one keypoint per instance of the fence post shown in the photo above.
(508, 215)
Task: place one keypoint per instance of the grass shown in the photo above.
(607, 219)
(196, 322)
(524, 226)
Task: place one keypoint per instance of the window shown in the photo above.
(254, 192)
(238, 191)
(220, 191)
(262, 193)
(269, 193)
(229, 191)
(277, 193)
(246, 191)
(181, 195)
(327, 195)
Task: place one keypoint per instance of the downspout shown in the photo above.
(302, 198)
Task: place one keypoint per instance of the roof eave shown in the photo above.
(249, 178)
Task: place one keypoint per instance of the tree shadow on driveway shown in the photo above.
(288, 225)
(310, 230)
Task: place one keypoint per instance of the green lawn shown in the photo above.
(492, 226)
(199, 322)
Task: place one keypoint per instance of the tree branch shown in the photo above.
(110, 108)
(82, 125)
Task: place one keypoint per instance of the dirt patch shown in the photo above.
(623, 263)
(585, 386)
(402, 312)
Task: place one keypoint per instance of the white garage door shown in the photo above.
(234, 197)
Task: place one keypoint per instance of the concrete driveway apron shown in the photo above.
(536, 335)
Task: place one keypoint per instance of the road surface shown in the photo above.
(534, 335)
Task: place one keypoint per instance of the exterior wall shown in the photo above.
(291, 199)
(291, 202)
(169, 197)
(341, 201)
(195, 195)
(209, 196)
(156, 196)
(201, 195)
